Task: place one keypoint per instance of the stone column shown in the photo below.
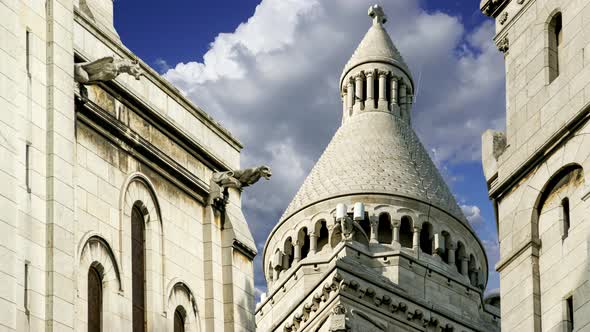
(395, 237)
(464, 266)
(394, 94)
(402, 99)
(313, 243)
(369, 100)
(297, 252)
(275, 274)
(416, 239)
(382, 103)
(344, 104)
(358, 95)
(374, 226)
(451, 254)
(350, 95)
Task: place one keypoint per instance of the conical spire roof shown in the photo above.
(375, 152)
(376, 46)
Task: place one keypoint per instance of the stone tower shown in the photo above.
(536, 170)
(374, 240)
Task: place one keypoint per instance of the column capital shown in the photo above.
(369, 73)
(382, 73)
(312, 234)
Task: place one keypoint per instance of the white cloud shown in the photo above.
(473, 214)
(274, 83)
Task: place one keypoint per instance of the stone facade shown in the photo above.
(77, 160)
(536, 170)
(374, 240)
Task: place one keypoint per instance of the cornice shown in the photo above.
(158, 80)
(119, 134)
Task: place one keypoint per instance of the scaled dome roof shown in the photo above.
(375, 153)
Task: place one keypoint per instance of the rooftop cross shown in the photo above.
(376, 12)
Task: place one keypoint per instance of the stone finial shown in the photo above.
(378, 15)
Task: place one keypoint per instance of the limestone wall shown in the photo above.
(73, 166)
(546, 132)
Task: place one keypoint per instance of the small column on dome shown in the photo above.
(402, 99)
(297, 252)
(416, 239)
(382, 102)
(344, 98)
(313, 243)
(395, 230)
(451, 254)
(464, 265)
(350, 96)
(394, 105)
(358, 93)
(370, 100)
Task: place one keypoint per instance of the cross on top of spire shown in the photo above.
(378, 15)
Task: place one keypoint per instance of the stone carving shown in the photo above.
(504, 45)
(105, 69)
(238, 179)
(338, 319)
(503, 18)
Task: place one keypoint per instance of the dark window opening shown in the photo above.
(405, 232)
(306, 243)
(555, 43)
(179, 319)
(138, 269)
(426, 238)
(94, 300)
(323, 236)
(565, 205)
(384, 232)
(570, 314)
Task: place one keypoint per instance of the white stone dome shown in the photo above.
(375, 153)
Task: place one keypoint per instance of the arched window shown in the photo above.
(304, 238)
(322, 236)
(366, 226)
(288, 250)
(565, 211)
(94, 300)
(426, 238)
(138, 269)
(384, 232)
(179, 319)
(555, 43)
(405, 232)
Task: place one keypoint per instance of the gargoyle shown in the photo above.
(105, 69)
(238, 179)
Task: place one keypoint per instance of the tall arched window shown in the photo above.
(94, 300)
(555, 43)
(179, 319)
(405, 232)
(384, 232)
(288, 251)
(138, 269)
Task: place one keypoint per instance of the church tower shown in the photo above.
(536, 169)
(374, 240)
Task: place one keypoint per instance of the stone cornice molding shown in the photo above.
(493, 7)
(153, 76)
(119, 134)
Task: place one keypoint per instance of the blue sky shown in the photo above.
(269, 72)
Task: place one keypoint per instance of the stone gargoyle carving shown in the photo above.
(238, 179)
(105, 69)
